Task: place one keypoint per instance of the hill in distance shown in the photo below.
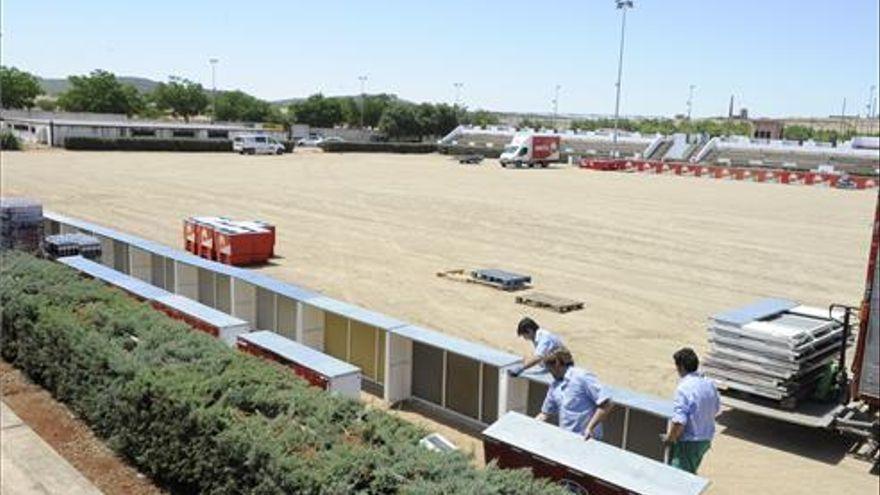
(54, 87)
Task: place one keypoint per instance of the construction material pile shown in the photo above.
(61, 245)
(774, 349)
(234, 242)
(21, 224)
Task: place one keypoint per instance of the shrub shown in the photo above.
(346, 147)
(9, 141)
(146, 144)
(200, 417)
(449, 149)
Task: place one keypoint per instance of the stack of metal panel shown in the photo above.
(775, 349)
(21, 224)
(61, 245)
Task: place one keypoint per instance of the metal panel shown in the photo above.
(462, 385)
(170, 275)
(223, 291)
(206, 287)
(613, 427)
(462, 347)
(298, 353)
(755, 311)
(490, 394)
(398, 381)
(336, 336)
(869, 380)
(157, 271)
(120, 257)
(285, 317)
(363, 349)
(427, 372)
(265, 309)
(643, 434)
(537, 393)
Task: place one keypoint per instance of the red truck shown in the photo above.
(531, 150)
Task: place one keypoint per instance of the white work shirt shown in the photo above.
(574, 399)
(545, 342)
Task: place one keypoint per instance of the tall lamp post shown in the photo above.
(622, 5)
(213, 61)
(363, 80)
(555, 105)
(458, 87)
(690, 100)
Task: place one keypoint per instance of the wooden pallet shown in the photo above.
(546, 301)
(466, 276)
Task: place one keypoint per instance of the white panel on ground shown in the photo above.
(311, 327)
(398, 368)
(140, 264)
(186, 278)
(244, 301)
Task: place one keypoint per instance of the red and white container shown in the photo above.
(317, 368)
(202, 317)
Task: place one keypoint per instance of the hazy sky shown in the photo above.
(778, 57)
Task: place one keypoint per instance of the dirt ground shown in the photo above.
(652, 257)
(70, 437)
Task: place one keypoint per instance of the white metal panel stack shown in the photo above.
(21, 223)
(773, 348)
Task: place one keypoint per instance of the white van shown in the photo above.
(252, 144)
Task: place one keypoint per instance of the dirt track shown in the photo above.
(652, 257)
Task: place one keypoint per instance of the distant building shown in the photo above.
(768, 128)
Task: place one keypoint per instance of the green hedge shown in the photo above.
(200, 417)
(9, 141)
(146, 144)
(346, 147)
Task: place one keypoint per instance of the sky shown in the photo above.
(777, 58)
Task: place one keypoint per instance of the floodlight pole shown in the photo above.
(213, 62)
(555, 105)
(363, 80)
(690, 100)
(622, 5)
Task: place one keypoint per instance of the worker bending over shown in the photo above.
(575, 397)
(694, 409)
(544, 341)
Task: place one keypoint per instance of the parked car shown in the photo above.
(317, 140)
(252, 144)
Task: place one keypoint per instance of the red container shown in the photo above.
(313, 377)
(190, 239)
(237, 246)
(206, 241)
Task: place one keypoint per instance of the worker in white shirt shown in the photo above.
(544, 341)
(693, 413)
(576, 397)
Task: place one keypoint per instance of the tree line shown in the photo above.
(652, 126)
(102, 92)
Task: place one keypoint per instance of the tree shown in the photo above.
(240, 106)
(446, 118)
(100, 92)
(533, 124)
(47, 105)
(18, 89)
(318, 111)
(400, 120)
(481, 118)
(797, 133)
(182, 97)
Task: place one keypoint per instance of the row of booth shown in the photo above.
(343, 347)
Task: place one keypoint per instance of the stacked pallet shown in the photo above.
(61, 245)
(773, 349)
(21, 224)
(233, 242)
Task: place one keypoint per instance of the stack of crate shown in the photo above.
(61, 245)
(21, 224)
(233, 242)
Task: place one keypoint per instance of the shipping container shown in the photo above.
(317, 368)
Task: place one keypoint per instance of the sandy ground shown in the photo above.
(652, 257)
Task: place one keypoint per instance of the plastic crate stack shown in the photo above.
(61, 245)
(21, 224)
(233, 242)
(773, 349)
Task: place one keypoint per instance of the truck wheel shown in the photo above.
(543, 164)
(279, 152)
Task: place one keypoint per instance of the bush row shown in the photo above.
(146, 144)
(346, 147)
(200, 417)
(449, 149)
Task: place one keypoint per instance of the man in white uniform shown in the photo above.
(544, 341)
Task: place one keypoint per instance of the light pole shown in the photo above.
(213, 61)
(690, 100)
(363, 80)
(555, 105)
(622, 5)
(870, 106)
(458, 87)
